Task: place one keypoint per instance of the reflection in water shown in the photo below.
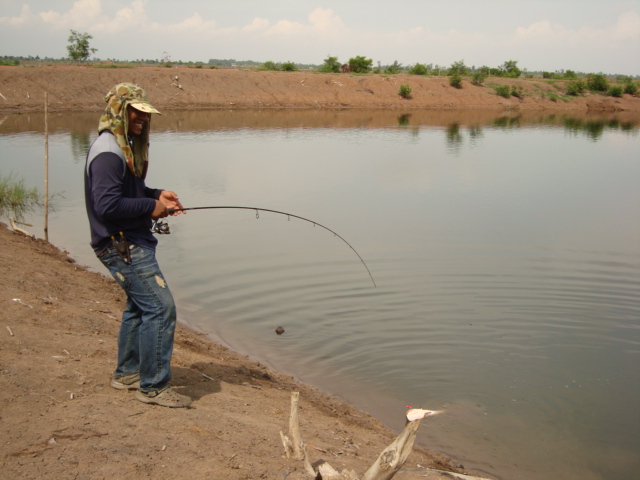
(223, 120)
(80, 143)
(508, 288)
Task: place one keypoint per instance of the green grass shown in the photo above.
(16, 200)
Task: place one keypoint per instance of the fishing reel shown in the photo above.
(160, 227)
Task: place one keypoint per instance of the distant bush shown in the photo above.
(405, 91)
(570, 75)
(419, 69)
(575, 87)
(360, 64)
(503, 90)
(331, 65)
(288, 67)
(597, 82)
(455, 80)
(10, 63)
(616, 91)
(478, 78)
(268, 65)
(393, 69)
(631, 88)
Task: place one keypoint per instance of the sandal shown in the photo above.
(165, 397)
(129, 381)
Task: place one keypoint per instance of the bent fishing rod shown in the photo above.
(162, 227)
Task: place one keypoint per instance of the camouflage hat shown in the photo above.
(133, 95)
(116, 120)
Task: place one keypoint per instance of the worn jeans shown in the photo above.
(145, 342)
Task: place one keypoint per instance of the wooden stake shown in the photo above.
(46, 166)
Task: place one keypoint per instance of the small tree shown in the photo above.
(419, 69)
(392, 69)
(360, 64)
(458, 68)
(331, 65)
(510, 69)
(455, 80)
(78, 48)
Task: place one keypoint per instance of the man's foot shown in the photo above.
(165, 397)
(130, 381)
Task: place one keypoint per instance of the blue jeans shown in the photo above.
(145, 342)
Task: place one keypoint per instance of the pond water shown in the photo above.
(505, 250)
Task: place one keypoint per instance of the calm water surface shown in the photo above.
(505, 248)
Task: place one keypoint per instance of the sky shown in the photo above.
(581, 35)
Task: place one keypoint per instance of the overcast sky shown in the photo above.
(581, 35)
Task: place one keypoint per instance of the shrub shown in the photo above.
(478, 78)
(503, 90)
(269, 65)
(631, 88)
(360, 64)
(570, 75)
(393, 69)
(419, 69)
(615, 91)
(405, 91)
(331, 65)
(288, 67)
(597, 82)
(517, 91)
(455, 81)
(575, 87)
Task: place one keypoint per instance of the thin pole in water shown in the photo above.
(46, 166)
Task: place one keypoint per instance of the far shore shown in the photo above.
(82, 88)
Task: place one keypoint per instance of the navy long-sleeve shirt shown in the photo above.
(116, 200)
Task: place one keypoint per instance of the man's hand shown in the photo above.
(170, 200)
(160, 211)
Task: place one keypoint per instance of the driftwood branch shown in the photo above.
(293, 445)
(393, 457)
(385, 467)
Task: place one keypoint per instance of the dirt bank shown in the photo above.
(83, 88)
(60, 419)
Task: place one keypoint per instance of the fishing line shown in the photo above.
(258, 210)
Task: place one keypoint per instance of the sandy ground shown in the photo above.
(60, 419)
(22, 89)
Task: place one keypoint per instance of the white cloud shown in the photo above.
(258, 24)
(82, 12)
(627, 27)
(325, 20)
(24, 18)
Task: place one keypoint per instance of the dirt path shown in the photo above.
(83, 88)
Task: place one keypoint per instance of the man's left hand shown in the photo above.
(170, 200)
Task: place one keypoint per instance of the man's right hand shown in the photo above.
(160, 211)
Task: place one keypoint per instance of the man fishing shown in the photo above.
(121, 209)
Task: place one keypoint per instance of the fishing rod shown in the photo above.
(163, 227)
